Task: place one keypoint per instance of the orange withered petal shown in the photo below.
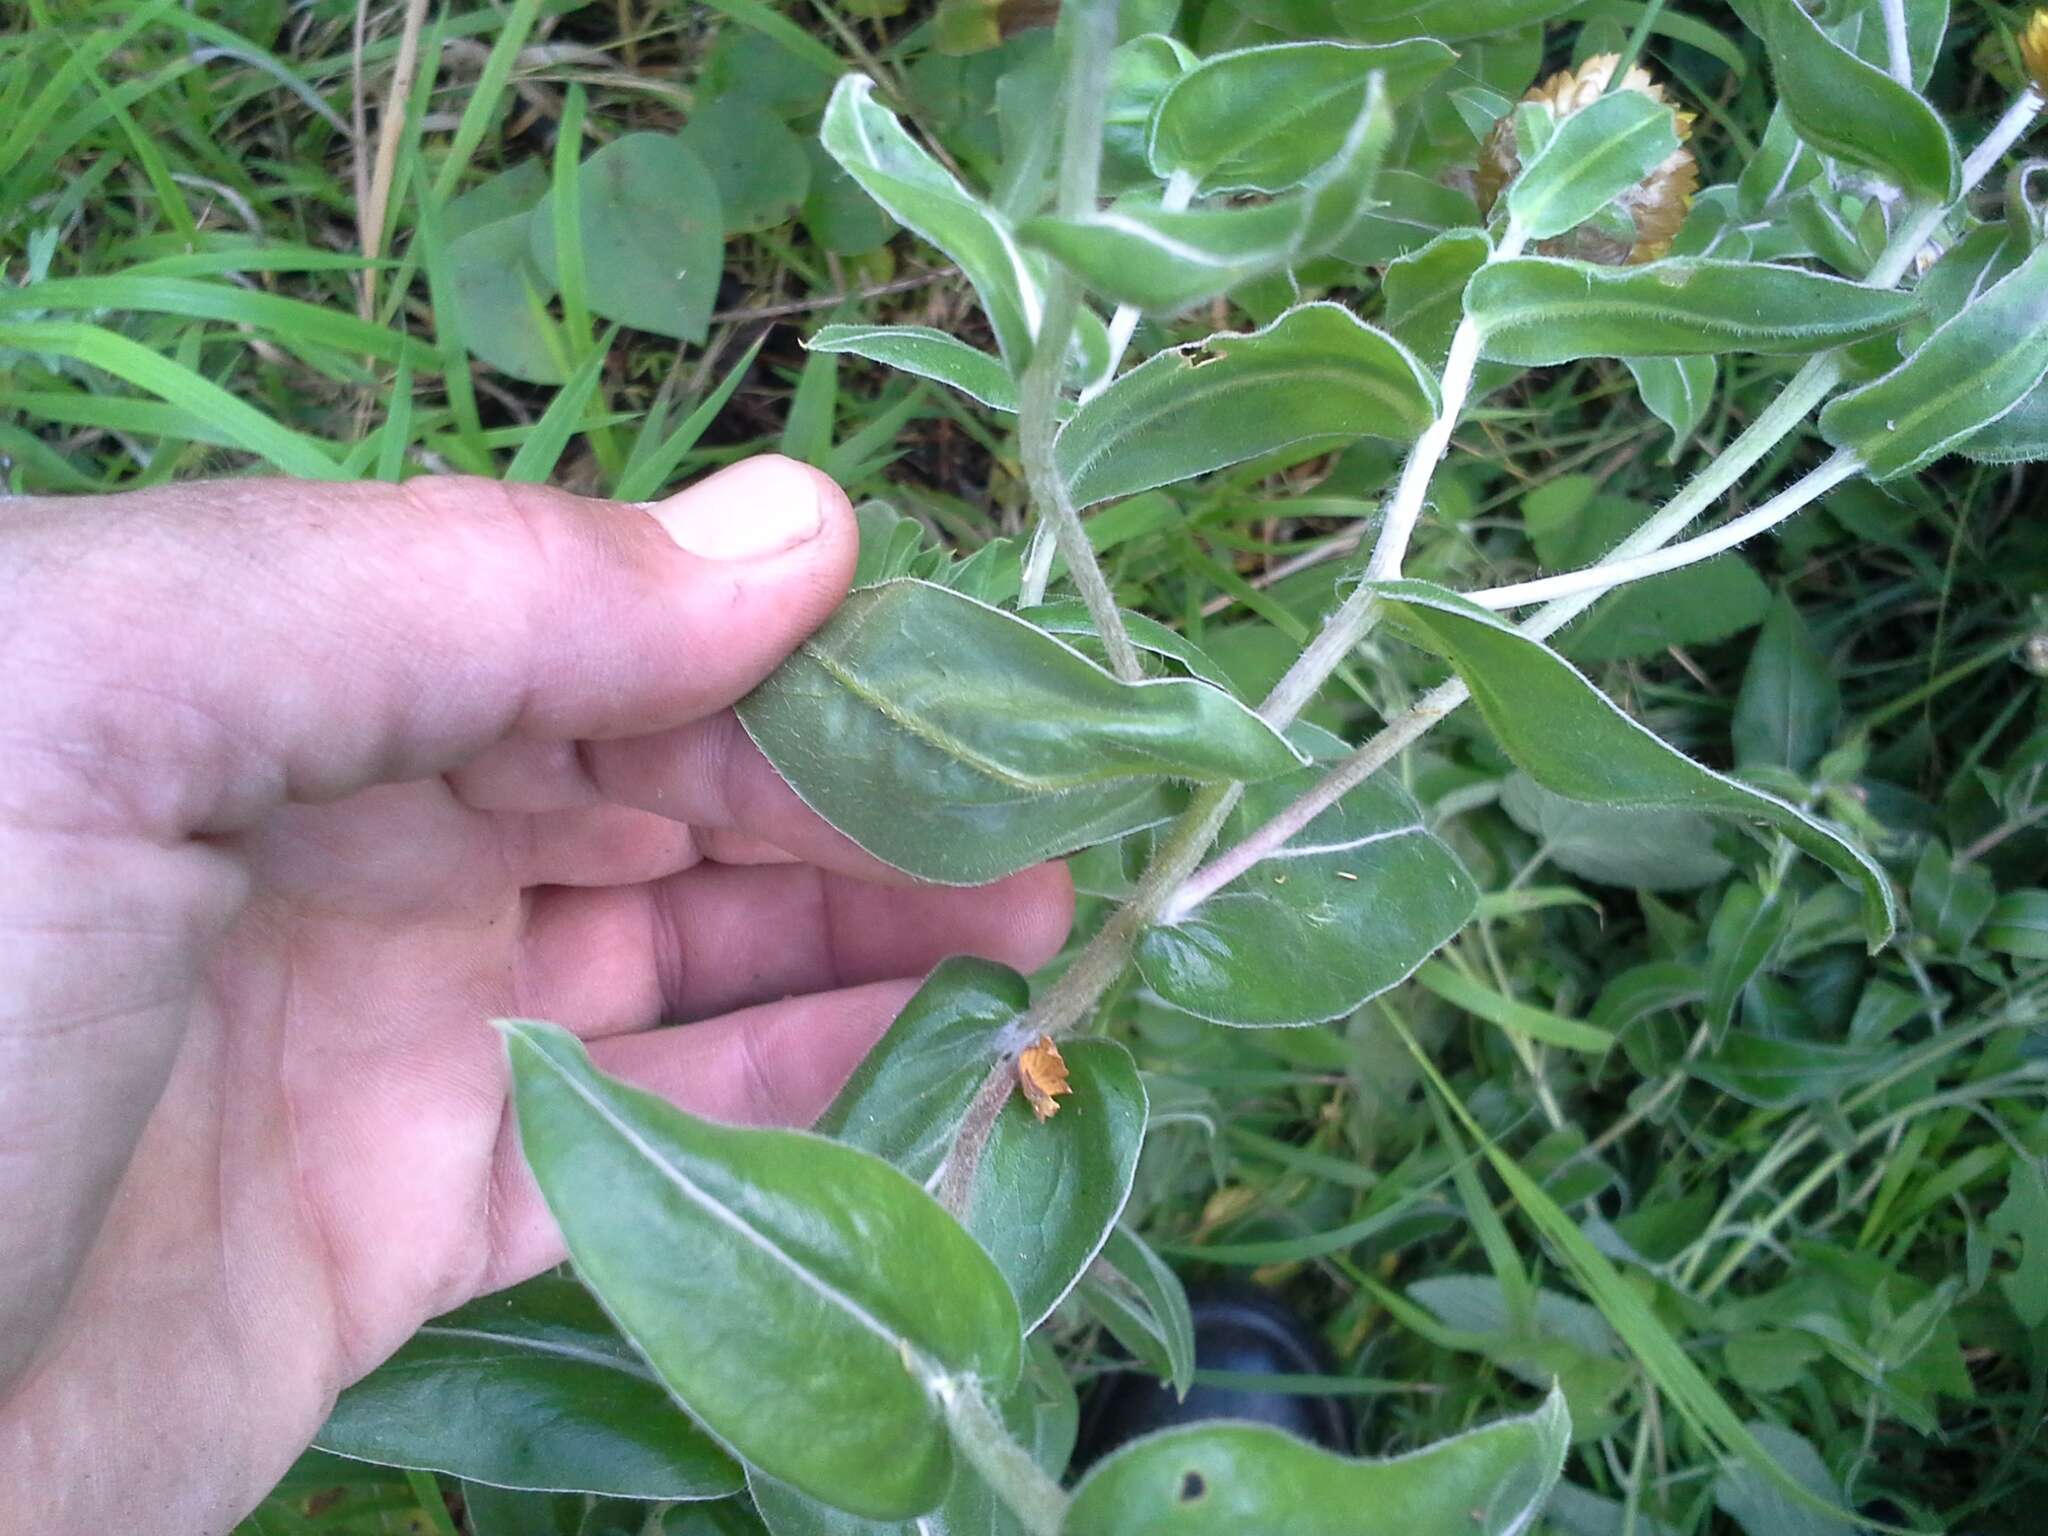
(1042, 1073)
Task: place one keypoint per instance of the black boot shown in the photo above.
(1236, 1329)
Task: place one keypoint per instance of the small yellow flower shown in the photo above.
(1656, 205)
(2034, 49)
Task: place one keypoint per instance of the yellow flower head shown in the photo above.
(1656, 205)
(2034, 49)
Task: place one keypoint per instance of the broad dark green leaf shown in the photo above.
(1769, 1072)
(653, 235)
(1790, 704)
(2018, 925)
(957, 742)
(761, 170)
(1747, 930)
(1677, 391)
(1950, 899)
(801, 1298)
(1425, 291)
(1133, 1293)
(501, 302)
(1228, 1479)
(1971, 372)
(1569, 737)
(1536, 309)
(897, 172)
(1592, 157)
(1649, 850)
(1761, 1508)
(928, 353)
(1317, 374)
(530, 1388)
(1693, 606)
(1854, 111)
(1046, 1194)
(1262, 119)
(1349, 907)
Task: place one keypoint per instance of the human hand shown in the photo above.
(299, 787)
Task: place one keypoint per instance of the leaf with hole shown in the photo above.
(530, 1388)
(1537, 310)
(1569, 737)
(801, 1298)
(653, 235)
(1316, 375)
(1347, 908)
(1226, 1479)
(957, 742)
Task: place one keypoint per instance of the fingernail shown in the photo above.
(756, 509)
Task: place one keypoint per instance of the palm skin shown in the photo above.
(278, 874)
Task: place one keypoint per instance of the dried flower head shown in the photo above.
(1654, 206)
(1042, 1073)
(2034, 49)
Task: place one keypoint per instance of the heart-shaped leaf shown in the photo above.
(1318, 374)
(956, 741)
(653, 235)
(1227, 1479)
(1347, 908)
(1536, 310)
(530, 1388)
(802, 1298)
(1569, 737)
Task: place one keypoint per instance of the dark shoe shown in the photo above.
(1237, 1329)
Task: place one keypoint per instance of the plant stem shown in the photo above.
(1004, 1465)
(1898, 53)
(1089, 28)
(1597, 580)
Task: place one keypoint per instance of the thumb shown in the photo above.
(221, 648)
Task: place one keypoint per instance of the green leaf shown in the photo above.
(2024, 1216)
(1317, 374)
(1970, 372)
(502, 298)
(1747, 930)
(1648, 850)
(1950, 899)
(909, 1093)
(1349, 907)
(1790, 704)
(896, 171)
(1047, 1194)
(2018, 925)
(1482, 1002)
(1452, 21)
(801, 1298)
(1693, 606)
(1407, 212)
(955, 741)
(653, 235)
(928, 353)
(1140, 72)
(1568, 736)
(1425, 291)
(1677, 391)
(1263, 119)
(1133, 1293)
(530, 1388)
(1227, 1479)
(1594, 156)
(1853, 110)
(760, 168)
(1536, 310)
(1757, 1504)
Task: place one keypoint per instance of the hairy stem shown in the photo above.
(1004, 1465)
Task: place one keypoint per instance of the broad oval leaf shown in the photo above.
(897, 172)
(1425, 291)
(1262, 119)
(1592, 157)
(1535, 310)
(1349, 907)
(957, 742)
(801, 1298)
(530, 1388)
(1966, 376)
(1318, 374)
(760, 168)
(928, 353)
(653, 235)
(1571, 738)
(1854, 111)
(1227, 1479)
(1046, 1194)
(500, 301)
